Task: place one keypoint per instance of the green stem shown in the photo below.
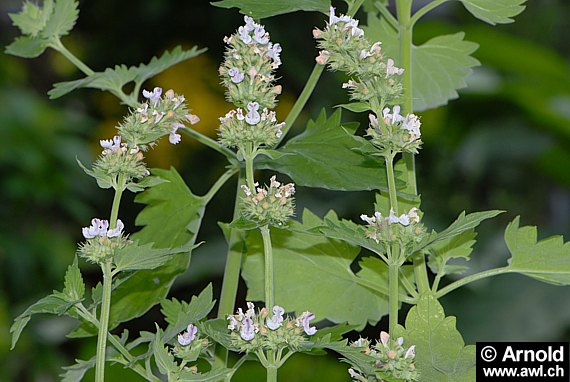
(384, 291)
(394, 273)
(249, 158)
(354, 7)
(219, 183)
(268, 257)
(103, 322)
(409, 287)
(207, 141)
(387, 15)
(231, 274)
(425, 9)
(404, 10)
(466, 280)
(271, 373)
(58, 45)
(391, 183)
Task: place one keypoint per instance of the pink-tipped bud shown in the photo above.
(317, 33)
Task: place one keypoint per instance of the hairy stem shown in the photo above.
(58, 45)
(425, 9)
(268, 259)
(394, 273)
(103, 322)
(231, 274)
(209, 142)
(219, 183)
(391, 183)
(469, 279)
(271, 373)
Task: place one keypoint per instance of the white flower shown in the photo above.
(193, 119)
(111, 144)
(235, 75)
(153, 96)
(234, 323)
(355, 31)
(394, 117)
(391, 69)
(98, 228)
(334, 19)
(115, 232)
(260, 36)
(252, 117)
(368, 219)
(413, 215)
(247, 331)
(246, 190)
(411, 353)
(353, 374)
(244, 35)
(187, 337)
(402, 219)
(276, 321)
(174, 138)
(412, 124)
(273, 51)
(274, 183)
(158, 116)
(384, 337)
(303, 320)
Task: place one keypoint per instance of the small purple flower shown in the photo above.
(273, 51)
(253, 117)
(153, 96)
(247, 331)
(158, 116)
(98, 228)
(304, 320)
(276, 321)
(244, 35)
(187, 337)
(174, 137)
(235, 75)
(115, 232)
(260, 36)
(111, 144)
(234, 323)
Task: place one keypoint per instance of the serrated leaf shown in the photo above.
(439, 67)
(441, 354)
(62, 19)
(461, 224)
(163, 358)
(324, 156)
(171, 218)
(110, 79)
(313, 273)
(167, 60)
(350, 232)
(75, 373)
(140, 257)
(495, 11)
(547, 260)
(260, 9)
(74, 288)
(242, 223)
(53, 304)
(27, 47)
(354, 356)
(180, 314)
(32, 18)
(117, 77)
(441, 252)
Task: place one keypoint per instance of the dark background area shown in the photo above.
(504, 145)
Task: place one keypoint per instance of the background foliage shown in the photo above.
(504, 145)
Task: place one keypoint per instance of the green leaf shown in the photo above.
(441, 252)
(180, 314)
(53, 304)
(260, 9)
(110, 79)
(439, 67)
(354, 356)
(242, 223)
(164, 360)
(167, 60)
(461, 224)
(547, 260)
(27, 47)
(355, 107)
(217, 330)
(323, 156)
(118, 77)
(32, 18)
(74, 288)
(62, 19)
(75, 373)
(313, 273)
(441, 354)
(495, 11)
(140, 257)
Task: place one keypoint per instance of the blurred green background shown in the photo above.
(504, 145)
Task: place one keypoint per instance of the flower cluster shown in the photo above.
(344, 47)
(253, 331)
(101, 242)
(272, 205)
(405, 229)
(190, 345)
(247, 71)
(395, 133)
(391, 360)
(261, 129)
(160, 115)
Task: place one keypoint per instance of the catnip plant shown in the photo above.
(270, 244)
